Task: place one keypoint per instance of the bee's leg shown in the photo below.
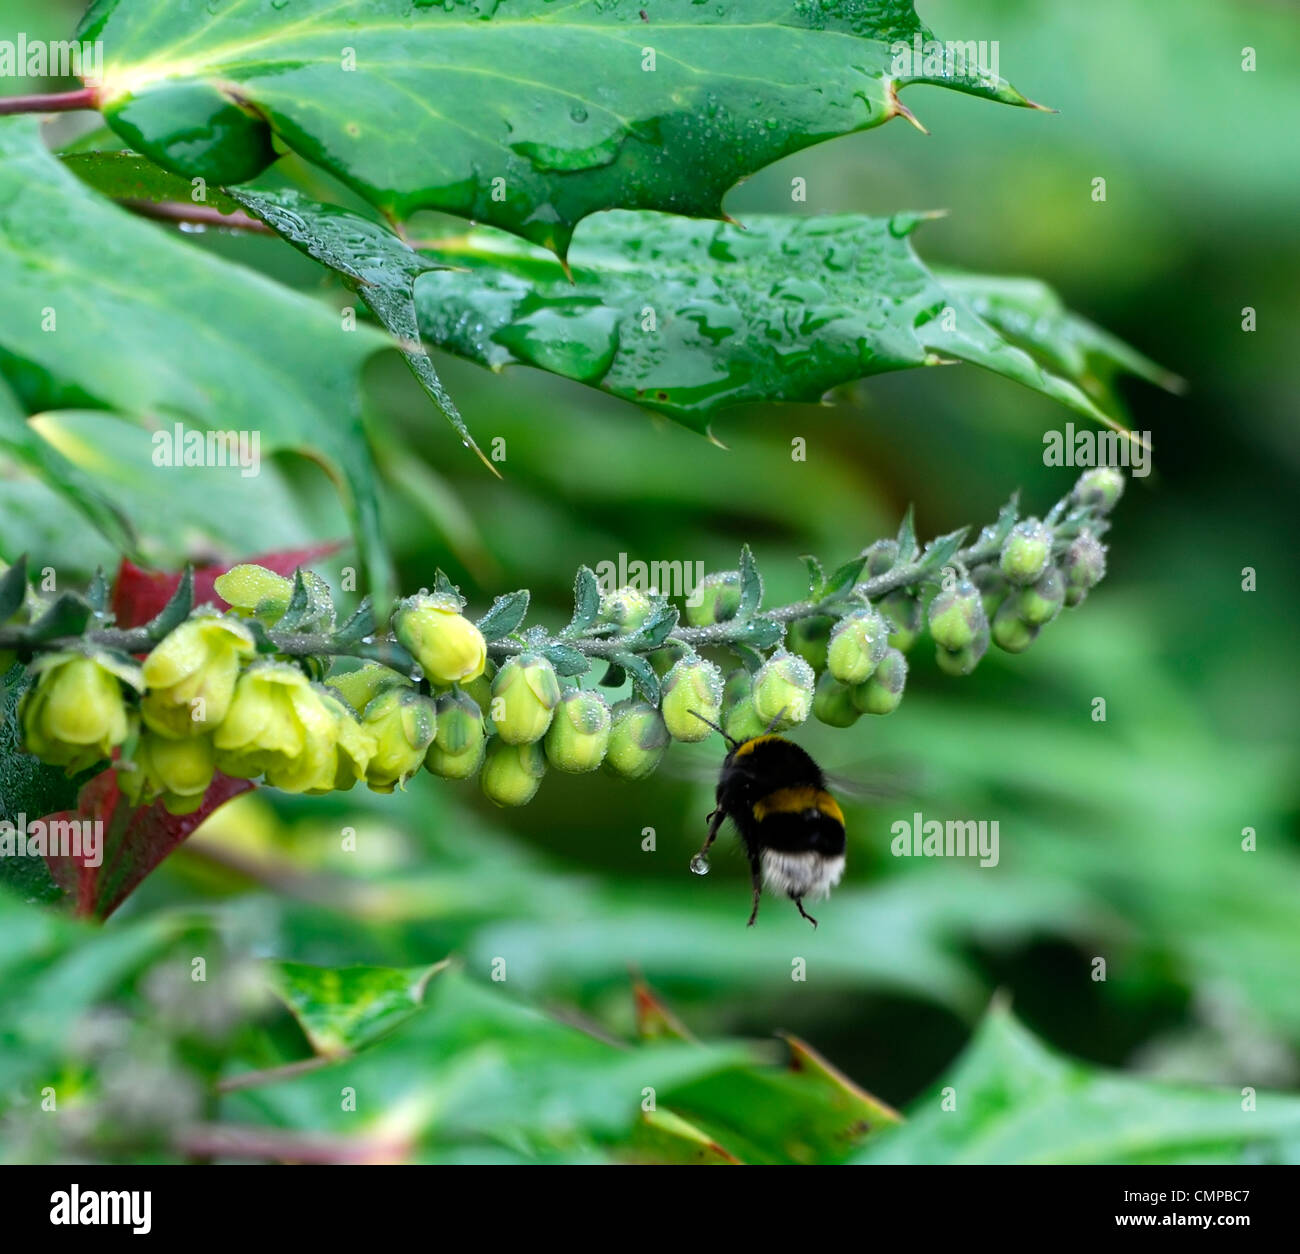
(798, 901)
(756, 878)
(715, 821)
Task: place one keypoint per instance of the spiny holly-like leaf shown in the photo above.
(1020, 1103)
(135, 839)
(686, 317)
(157, 329)
(379, 267)
(344, 1009)
(527, 114)
(1032, 317)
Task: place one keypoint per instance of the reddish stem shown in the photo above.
(53, 102)
(201, 215)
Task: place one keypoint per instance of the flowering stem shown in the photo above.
(1066, 519)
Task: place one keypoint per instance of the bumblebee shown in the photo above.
(791, 826)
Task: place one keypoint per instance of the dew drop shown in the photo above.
(700, 864)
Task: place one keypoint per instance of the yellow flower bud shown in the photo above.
(524, 696)
(858, 642)
(403, 723)
(190, 677)
(176, 771)
(460, 739)
(278, 725)
(74, 714)
(783, 690)
(637, 740)
(361, 686)
(693, 687)
(353, 749)
(448, 647)
(579, 733)
(512, 774)
(255, 592)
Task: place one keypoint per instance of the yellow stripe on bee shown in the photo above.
(748, 746)
(796, 801)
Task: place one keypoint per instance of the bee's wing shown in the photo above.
(876, 779)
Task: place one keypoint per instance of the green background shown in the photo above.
(1120, 840)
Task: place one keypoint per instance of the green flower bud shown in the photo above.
(255, 592)
(964, 660)
(1041, 602)
(1099, 489)
(718, 597)
(524, 696)
(957, 617)
(354, 746)
(1083, 566)
(190, 677)
(361, 686)
(403, 723)
(1026, 551)
(810, 638)
(448, 647)
(783, 689)
(693, 687)
(901, 610)
(74, 715)
(884, 690)
(626, 609)
(278, 725)
(579, 733)
(858, 642)
(833, 702)
(1011, 632)
(994, 588)
(637, 739)
(512, 774)
(881, 557)
(176, 771)
(461, 737)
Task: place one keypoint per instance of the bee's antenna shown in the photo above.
(771, 727)
(729, 739)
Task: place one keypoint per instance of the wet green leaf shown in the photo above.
(687, 317)
(158, 330)
(526, 114)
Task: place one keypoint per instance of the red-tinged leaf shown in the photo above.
(135, 840)
(139, 594)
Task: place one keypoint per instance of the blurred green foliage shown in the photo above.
(1120, 840)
